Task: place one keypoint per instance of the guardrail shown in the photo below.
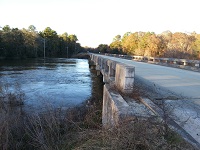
(172, 62)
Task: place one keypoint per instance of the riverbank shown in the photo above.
(80, 128)
(54, 128)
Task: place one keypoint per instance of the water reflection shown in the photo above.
(57, 82)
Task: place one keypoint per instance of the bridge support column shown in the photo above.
(92, 65)
(98, 70)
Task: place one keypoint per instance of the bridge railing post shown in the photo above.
(122, 74)
(124, 77)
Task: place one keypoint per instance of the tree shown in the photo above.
(48, 33)
(116, 46)
(13, 42)
(52, 41)
(103, 48)
(154, 46)
(73, 38)
(143, 38)
(32, 28)
(6, 28)
(65, 37)
(180, 45)
(196, 45)
(130, 43)
(117, 38)
(31, 42)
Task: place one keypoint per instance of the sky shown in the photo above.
(97, 22)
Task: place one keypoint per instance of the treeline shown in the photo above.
(29, 43)
(167, 44)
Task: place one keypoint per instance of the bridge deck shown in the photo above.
(179, 88)
(183, 83)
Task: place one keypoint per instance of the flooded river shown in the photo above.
(53, 82)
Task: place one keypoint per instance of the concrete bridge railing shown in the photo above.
(117, 73)
(184, 62)
(173, 62)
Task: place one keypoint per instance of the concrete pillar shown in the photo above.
(92, 65)
(124, 77)
(97, 67)
(98, 70)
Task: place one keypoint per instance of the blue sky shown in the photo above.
(98, 21)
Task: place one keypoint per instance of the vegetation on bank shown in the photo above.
(166, 44)
(29, 43)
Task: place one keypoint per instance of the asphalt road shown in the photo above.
(179, 88)
(183, 83)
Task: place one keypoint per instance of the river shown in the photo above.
(56, 82)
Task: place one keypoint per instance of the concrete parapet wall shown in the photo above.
(114, 108)
(116, 72)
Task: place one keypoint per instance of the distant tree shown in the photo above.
(167, 36)
(196, 45)
(126, 35)
(48, 33)
(154, 46)
(31, 42)
(73, 38)
(6, 28)
(65, 37)
(103, 48)
(116, 45)
(52, 41)
(181, 45)
(32, 28)
(130, 43)
(117, 38)
(13, 42)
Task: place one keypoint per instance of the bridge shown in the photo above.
(176, 90)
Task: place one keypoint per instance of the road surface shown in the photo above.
(180, 89)
(183, 83)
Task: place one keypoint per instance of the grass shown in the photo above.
(11, 96)
(134, 135)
